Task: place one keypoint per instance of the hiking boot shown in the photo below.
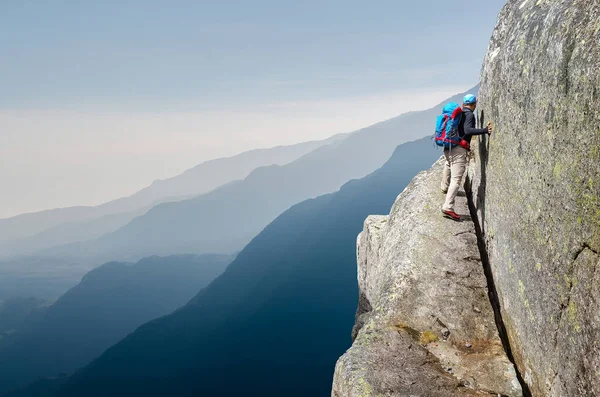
(451, 215)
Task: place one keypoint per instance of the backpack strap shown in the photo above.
(457, 112)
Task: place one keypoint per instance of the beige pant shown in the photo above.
(454, 169)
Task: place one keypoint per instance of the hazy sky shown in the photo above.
(99, 98)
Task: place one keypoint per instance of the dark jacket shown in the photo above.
(466, 127)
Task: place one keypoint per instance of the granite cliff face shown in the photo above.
(536, 186)
(534, 190)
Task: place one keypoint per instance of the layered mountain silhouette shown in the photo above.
(277, 319)
(27, 233)
(108, 303)
(226, 219)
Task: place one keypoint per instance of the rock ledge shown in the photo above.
(425, 326)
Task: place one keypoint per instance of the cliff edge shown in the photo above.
(535, 190)
(425, 325)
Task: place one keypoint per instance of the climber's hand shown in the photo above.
(489, 128)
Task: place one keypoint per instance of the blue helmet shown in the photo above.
(469, 99)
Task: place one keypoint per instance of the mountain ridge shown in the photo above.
(180, 186)
(196, 224)
(108, 303)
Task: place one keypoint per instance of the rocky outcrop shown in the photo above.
(535, 190)
(425, 325)
(536, 186)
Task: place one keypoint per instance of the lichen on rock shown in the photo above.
(536, 187)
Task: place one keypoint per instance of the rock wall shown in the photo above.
(536, 186)
(425, 325)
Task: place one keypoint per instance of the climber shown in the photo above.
(456, 157)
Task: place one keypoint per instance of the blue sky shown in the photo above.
(70, 66)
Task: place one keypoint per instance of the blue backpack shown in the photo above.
(446, 128)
